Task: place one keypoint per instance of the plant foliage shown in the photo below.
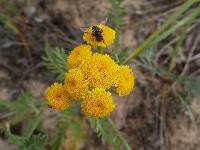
(55, 61)
(23, 110)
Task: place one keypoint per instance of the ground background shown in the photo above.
(58, 22)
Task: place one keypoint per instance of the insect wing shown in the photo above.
(83, 29)
(105, 21)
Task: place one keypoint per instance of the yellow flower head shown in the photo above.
(100, 71)
(78, 56)
(57, 97)
(105, 37)
(98, 103)
(75, 84)
(125, 80)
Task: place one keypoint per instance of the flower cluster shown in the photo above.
(91, 75)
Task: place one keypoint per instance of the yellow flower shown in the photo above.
(98, 103)
(75, 84)
(57, 97)
(125, 80)
(100, 71)
(78, 56)
(108, 36)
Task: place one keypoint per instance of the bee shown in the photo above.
(97, 33)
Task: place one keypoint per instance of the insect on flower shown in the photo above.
(99, 35)
(91, 75)
(96, 32)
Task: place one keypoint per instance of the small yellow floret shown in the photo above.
(100, 71)
(78, 56)
(75, 84)
(108, 36)
(57, 97)
(98, 103)
(125, 80)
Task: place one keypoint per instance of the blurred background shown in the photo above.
(162, 112)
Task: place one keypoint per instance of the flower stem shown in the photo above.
(100, 49)
(126, 145)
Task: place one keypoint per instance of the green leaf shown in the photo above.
(184, 21)
(55, 61)
(123, 54)
(8, 24)
(13, 138)
(68, 120)
(115, 14)
(186, 106)
(191, 85)
(31, 125)
(108, 133)
(23, 104)
(153, 38)
(36, 142)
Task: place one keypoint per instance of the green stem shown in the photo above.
(127, 147)
(100, 49)
(181, 23)
(178, 47)
(170, 21)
